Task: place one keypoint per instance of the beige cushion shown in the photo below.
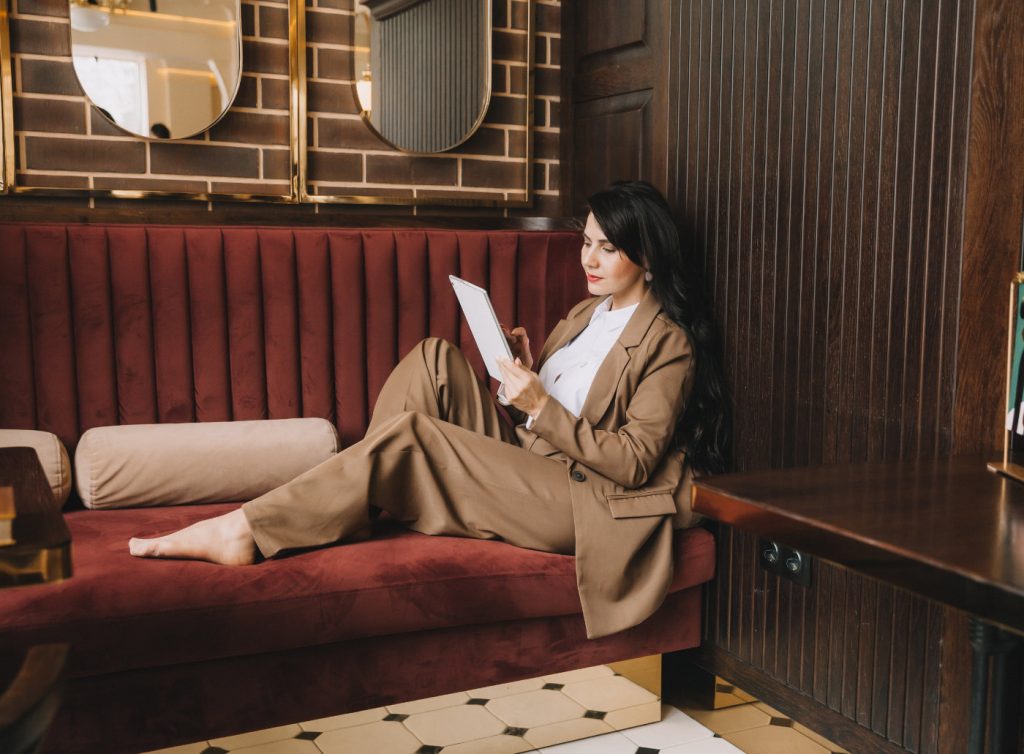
(169, 464)
(52, 455)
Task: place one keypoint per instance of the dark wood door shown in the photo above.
(620, 113)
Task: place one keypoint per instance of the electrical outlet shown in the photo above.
(784, 562)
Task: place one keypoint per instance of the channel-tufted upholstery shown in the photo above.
(105, 325)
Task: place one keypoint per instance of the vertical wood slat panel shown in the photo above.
(820, 158)
(818, 155)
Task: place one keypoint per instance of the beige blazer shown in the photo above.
(629, 490)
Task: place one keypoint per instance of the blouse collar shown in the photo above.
(612, 318)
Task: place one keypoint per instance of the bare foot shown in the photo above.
(225, 539)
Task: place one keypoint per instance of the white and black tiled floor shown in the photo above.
(533, 716)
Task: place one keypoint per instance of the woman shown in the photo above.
(627, 404)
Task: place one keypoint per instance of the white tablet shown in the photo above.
(483, 323)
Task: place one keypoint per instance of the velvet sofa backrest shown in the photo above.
(105, 325)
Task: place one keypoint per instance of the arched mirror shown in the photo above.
(423, 70)
(164, 69)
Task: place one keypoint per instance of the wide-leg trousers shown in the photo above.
(439, 457)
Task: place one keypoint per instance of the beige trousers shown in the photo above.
(437, 456)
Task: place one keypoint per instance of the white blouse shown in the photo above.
(569, 372)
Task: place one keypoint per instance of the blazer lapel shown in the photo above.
(566, 330)
(602, 390)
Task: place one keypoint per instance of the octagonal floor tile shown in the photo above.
(730, 719)
(774, 739)
(267, 735)
(197, 748)
(507, 689)
(675, 728)
(582, 674)
(374, 738)
(610, 743)
(345, 721)
(608, 693)
(454, 725)
(491, 745)
(290, 746)
(430, 703)
(535, 708)
(568, 730)
(630, 717)
(705, 746)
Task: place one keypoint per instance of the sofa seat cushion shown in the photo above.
(120, 612)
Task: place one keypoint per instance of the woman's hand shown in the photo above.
(523, 388)
(519, 343)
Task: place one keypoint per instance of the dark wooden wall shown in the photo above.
(852, 171)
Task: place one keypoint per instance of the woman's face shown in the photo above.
(609, 270)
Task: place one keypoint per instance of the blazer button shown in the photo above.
(578, 476)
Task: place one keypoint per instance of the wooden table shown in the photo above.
(41, 551)
(947, 529)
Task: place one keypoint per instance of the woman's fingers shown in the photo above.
(514, 378)
(508, 376)
(509, 337)
(519, 343)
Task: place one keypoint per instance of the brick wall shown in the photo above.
(62, 142)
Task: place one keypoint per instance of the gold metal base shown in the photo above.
(643, 671)
(22, 567)
(1012, 470)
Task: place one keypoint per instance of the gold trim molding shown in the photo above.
(6, 103)
(299, 147)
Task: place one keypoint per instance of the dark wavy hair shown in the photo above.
(636, 218)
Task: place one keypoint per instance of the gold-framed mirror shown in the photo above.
(345, 160)
(6, 95)
(294, 133)
(162, 69)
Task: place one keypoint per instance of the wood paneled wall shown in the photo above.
(821, 153)
(852, 171)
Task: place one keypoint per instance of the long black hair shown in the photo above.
(636, 218)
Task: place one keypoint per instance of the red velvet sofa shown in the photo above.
(131, 324)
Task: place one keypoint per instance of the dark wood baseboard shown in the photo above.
(799, 707)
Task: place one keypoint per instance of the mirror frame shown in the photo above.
(445, 201)
(6, 104)
(297, 113)
(8, 177)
